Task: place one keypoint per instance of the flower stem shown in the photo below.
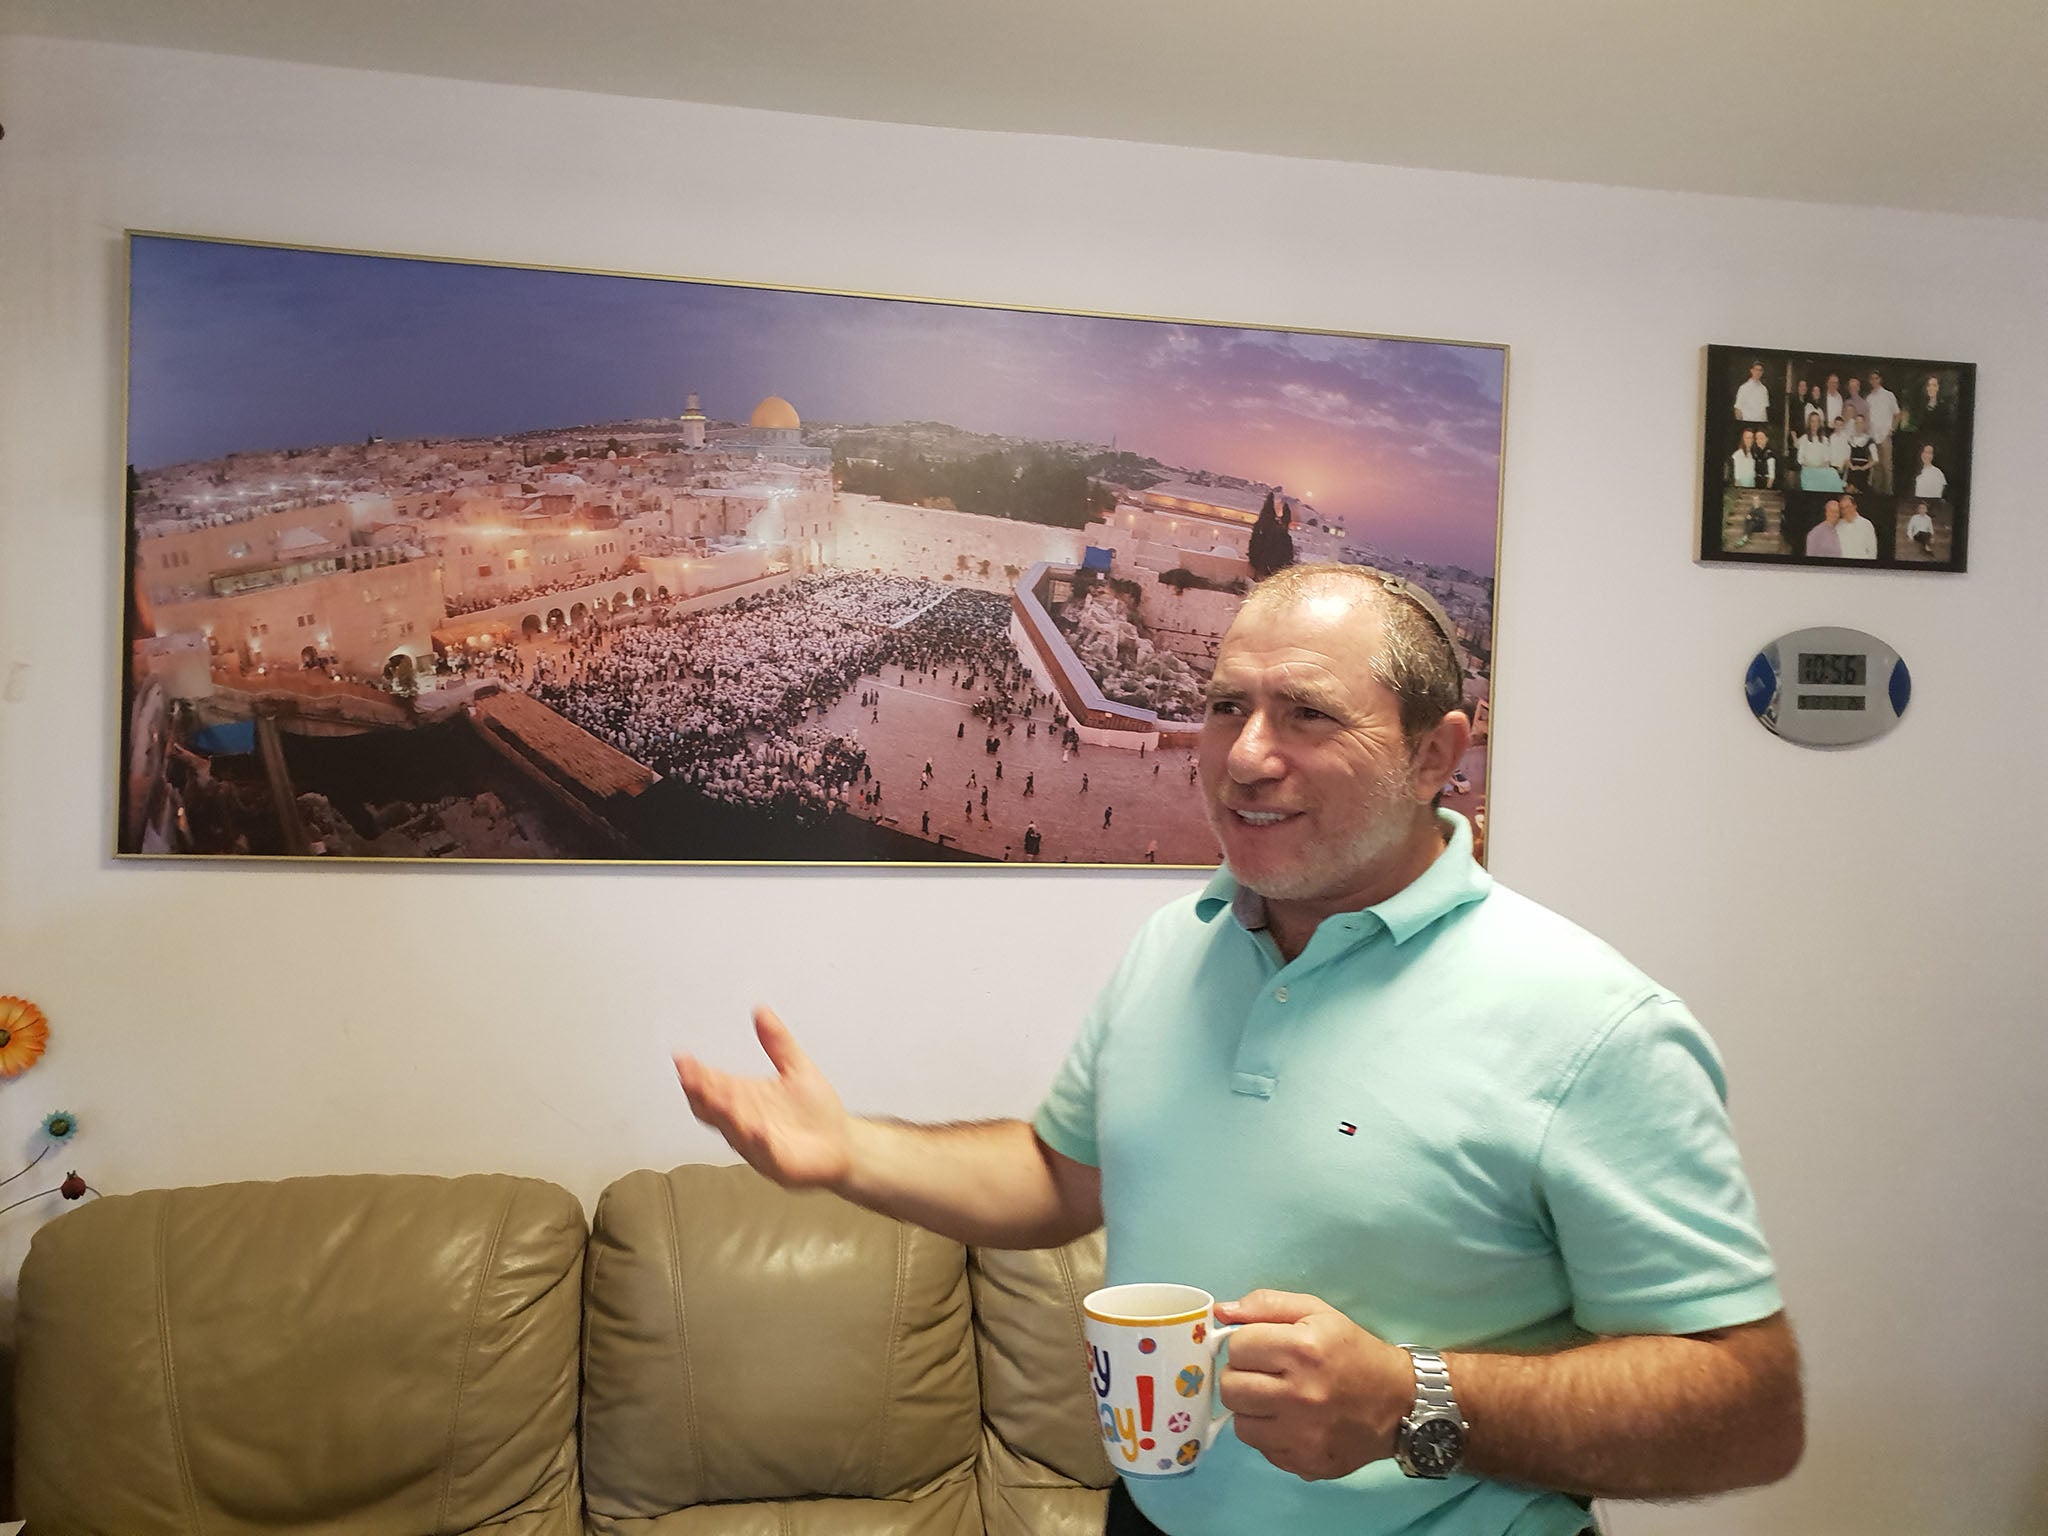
(24, 1168)
(26, 1199)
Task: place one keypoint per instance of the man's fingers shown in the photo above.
(1270, 1339)
(690, 1072)
(1253, 1394)
(1270, 1307)
(706, 1090)
(1269, 1438)
(784, 1054)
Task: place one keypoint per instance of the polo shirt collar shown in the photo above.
(1455, 879)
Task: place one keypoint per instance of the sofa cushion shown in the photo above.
(1042, 1467)
(745, 1344)
(371, 1354)
(948, 1510)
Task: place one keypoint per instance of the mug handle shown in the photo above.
(1222, 1415)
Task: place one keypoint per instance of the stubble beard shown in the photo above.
(1329, 870)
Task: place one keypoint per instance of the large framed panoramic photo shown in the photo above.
(441, 559)
(1836, 459)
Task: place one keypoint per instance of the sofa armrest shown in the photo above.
(1042, 1467)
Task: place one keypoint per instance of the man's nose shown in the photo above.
(1254, 754)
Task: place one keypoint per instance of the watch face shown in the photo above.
(1436, 1445)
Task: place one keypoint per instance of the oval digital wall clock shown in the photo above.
(1828, 687)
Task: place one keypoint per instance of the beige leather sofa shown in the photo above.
(397, 1354)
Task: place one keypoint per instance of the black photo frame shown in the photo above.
(1836, 459)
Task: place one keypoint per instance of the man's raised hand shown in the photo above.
(790, 1127)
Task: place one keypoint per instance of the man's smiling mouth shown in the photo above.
(1259, 818)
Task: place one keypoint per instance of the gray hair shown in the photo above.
(1418, 659)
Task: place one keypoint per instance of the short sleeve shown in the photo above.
(1066, 1119)
(1645, 1189)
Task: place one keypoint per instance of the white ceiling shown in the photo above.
(1930, 104)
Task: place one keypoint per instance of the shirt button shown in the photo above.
(1279, 994)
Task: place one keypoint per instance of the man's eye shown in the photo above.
(1222, 706)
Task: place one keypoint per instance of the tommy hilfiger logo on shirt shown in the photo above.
(1346, 1128)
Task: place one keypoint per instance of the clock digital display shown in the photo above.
(1827, 686)
(1845, 668)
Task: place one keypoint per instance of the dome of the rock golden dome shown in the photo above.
(775, 412)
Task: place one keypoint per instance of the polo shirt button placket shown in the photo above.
(1255, 1071)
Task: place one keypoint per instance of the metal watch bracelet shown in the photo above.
(1432, 1379)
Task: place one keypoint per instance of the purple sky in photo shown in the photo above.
(237, 347)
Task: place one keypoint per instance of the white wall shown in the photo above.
(1860, 930)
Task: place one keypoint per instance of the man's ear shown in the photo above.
(1439, 752)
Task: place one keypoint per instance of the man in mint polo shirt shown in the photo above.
(1466, 1170)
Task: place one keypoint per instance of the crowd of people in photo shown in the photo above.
(1841, 453)
(733, 701)
(726, 699)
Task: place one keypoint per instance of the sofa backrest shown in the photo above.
(390, 1353)
(805, 1364)
(371, 1354)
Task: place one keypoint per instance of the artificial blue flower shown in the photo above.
(60, 1125)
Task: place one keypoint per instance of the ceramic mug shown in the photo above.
(1152, 1361)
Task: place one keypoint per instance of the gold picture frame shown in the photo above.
(449, 559)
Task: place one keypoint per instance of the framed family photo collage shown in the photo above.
(1836, 459)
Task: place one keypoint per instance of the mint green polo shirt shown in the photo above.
(1456, 1117)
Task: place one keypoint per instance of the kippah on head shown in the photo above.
(1418, 659)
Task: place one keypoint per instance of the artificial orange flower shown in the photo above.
(24, 1033)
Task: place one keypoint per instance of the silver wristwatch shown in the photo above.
(1430, 1442)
